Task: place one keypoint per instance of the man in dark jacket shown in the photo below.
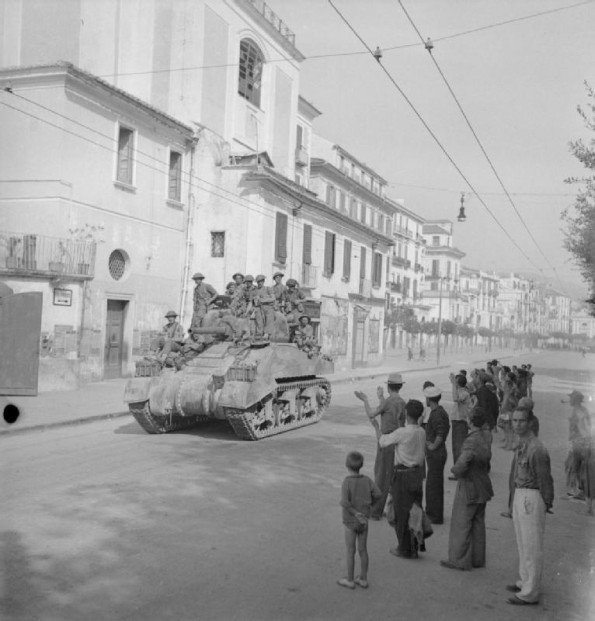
(487, 400)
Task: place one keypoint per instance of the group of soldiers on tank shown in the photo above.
(250, 299)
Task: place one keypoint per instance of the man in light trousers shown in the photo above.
(533, 498)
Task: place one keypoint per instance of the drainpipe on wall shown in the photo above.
(189, 245)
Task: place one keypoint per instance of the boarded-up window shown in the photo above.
(281, 238)
(329, 253)
(377, 270)
(362, 263)
(347, 259)
(307, 252)
(174, 189)
(125, 146)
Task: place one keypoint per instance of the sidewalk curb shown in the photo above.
(361, 374)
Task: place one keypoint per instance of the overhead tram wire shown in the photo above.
(430, 131)
(480, 144)
(232, 197)
(338, 54)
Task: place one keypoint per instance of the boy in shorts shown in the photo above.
(358, 494)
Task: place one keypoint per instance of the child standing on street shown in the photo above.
(358, 494)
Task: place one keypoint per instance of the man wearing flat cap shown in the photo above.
(392, 416)
(204, 295)
(437, 429)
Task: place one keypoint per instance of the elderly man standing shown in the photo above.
(204, 295)
(408, 476)
(391, 412)
(533, 498)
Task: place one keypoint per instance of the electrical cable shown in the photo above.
(339, 54)
(430, 131)
(480, 144)
(233, 198)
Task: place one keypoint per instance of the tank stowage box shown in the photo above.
(262, 389)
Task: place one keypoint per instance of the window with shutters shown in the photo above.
(307, 250)
(329, 253)
(353, 208)
(377, 270)
(281, 238)
(362, 214)
(341, 201)
(250, 74)
(347, 260)
(435, 268)
(125, 155)
(330, 195)
(174, 187)
(362, 262)
(218, 244)
(380, 222)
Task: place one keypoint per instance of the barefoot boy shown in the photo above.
(358, 494)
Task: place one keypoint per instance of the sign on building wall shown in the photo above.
(333, 326)
(62, 297)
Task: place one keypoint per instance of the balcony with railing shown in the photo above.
(365, 287)
(397, 261)
(394, 287)
(309, 275)
(40, 255)
(278, 24)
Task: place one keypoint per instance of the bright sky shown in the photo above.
(518, 83)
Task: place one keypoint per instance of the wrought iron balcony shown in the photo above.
(40, 255)
(278, 24)
(399, 261)
(394, 287)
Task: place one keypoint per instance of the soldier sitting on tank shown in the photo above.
(193, 345)
(170, 339)
(304, 337)
(293, 298)
(241, 305)
(230, 289)
(236, 329)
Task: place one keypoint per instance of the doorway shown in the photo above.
(114, 339)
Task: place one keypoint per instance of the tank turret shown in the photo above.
(261, 388)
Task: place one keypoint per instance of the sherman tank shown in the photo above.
(261, 388)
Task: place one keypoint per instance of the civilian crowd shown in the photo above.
(495, 402)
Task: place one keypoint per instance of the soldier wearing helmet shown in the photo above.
(171, 335)
(293, 299)
(278, 290)
(204, 295)
(241, 304)
(263, 300)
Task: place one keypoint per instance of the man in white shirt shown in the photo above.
(408, 476)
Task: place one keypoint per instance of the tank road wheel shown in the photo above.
(292, 405)
(153, 423)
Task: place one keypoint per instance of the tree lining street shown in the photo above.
(102, 521)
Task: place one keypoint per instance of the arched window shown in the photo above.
(250, 77)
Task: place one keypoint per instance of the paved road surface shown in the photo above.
(104, 522)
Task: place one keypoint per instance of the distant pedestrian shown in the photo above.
(579, 436)
(409, 353)
(392, 416)
(533, 498)
(358, 493)
(467, 538)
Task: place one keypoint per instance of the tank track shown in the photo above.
(153, 423)
(242, 423)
